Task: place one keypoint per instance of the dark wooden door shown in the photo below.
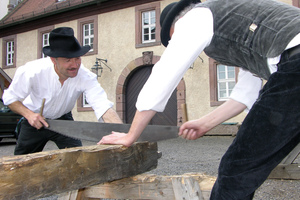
(135, 83)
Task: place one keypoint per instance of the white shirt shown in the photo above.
(37, 80)
(196, 27)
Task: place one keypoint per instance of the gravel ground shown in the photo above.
(202, 156)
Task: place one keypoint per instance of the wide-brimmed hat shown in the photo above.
(168, 15)
(64, 44)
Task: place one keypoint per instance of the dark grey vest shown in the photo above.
(247, 32)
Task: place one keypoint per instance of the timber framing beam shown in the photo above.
(46, 173)
(194, 186)
(287, 169)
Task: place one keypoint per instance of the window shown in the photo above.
(222, 79)
(9, 52)
(84, 102)
(226, 81)
(147, 29)
(43, 40)
(88, 33)
(148, 26)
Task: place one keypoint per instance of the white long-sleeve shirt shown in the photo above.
(37, 80)
(193, 32)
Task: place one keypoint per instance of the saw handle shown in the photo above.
(42, 107)
(184, 113)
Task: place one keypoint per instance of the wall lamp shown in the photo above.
(97, 68)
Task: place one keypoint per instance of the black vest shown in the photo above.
(247, 32)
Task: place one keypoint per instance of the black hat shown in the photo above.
(64, 44)
(168, 15)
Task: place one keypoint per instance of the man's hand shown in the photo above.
(193, 129)
(140, 121)
(37, 121)
(34, 119)
(117, 138)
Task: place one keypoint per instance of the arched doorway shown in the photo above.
(148, 59)
(134, 84)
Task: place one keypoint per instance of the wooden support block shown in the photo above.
(223, 130)
(186, 188)
(286, 171)
(71, 195)
(292, 155)
(154, 187)
(46, 173)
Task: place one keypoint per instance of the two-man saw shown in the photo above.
(94, 131)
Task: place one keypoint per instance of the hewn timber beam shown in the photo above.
(286, 171)
(43, 174)
(150, 186)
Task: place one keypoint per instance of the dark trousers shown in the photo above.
(268, 133)
(31, 140)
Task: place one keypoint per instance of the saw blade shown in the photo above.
(94, 131)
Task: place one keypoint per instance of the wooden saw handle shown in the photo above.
(184, 113)
(42, 107)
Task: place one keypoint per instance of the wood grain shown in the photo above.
(46, 173)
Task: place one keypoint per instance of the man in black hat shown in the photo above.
(59, 79)
(262, 37)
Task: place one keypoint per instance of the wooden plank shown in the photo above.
(286, 171)
(149, 186)
(46, 173)
(223, 130)
(292, 155)
(186, 188)
(71, 195)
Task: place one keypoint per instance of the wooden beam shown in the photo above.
(186, 188)
(43, 174)
(223, 130)
(150, 186)
(287, 169)
(291, 157)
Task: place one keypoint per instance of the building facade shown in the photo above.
(125, 40)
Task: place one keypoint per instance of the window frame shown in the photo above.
(138, 24)
(296, 3)
(88, 37)
(81, 107)
(213, 82)
(41, 32)
(226, 80)
(80, 24)
(148, 27)
(10, 52)
(5, 40)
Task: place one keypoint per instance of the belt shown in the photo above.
(293, 51)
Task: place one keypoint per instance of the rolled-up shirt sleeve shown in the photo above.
(247, 88)
(16, 90)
